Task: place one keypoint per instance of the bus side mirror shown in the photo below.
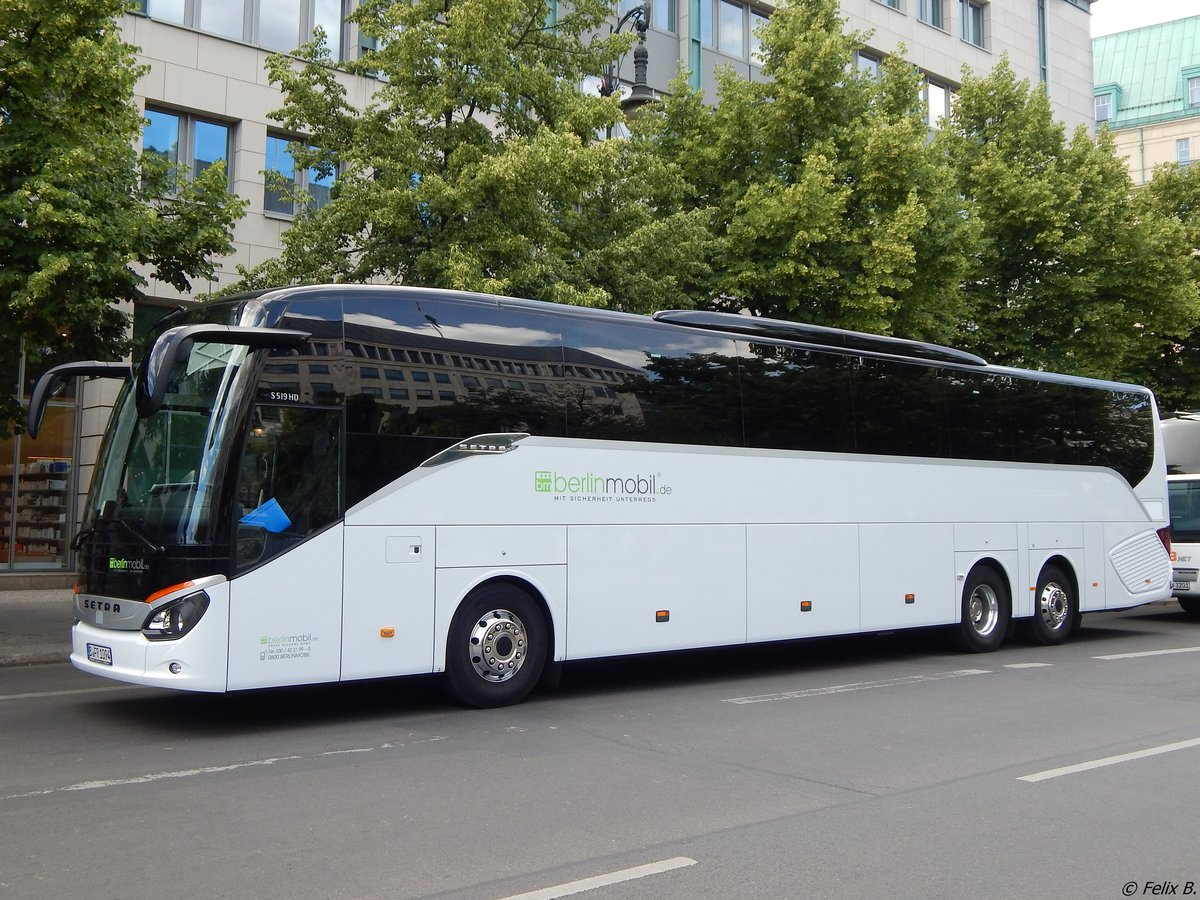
(53, 380)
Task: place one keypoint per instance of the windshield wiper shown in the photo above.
(108, 513)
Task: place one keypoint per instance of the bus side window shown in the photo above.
(290, 480)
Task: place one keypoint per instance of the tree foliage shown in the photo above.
(476, 165)
(827, 202)
(1076, 274)
(77, 212)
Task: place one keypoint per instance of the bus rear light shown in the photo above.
(175, 619)
(1164, 535)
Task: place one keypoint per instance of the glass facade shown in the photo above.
(281, 25)
(37, 494)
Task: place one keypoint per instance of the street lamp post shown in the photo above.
(640, 94)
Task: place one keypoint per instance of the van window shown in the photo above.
(1184, 497)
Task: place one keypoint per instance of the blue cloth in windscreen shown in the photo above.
(269, 516)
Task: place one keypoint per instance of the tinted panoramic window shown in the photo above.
(978, 424)
(391, 431)
(669, 385)
(899, 409)
(794, 399)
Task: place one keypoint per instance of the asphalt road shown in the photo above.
(881, 766)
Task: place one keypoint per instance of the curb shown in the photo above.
(37, 658)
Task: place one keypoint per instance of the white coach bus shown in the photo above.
(330, 483)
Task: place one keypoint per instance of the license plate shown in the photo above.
(1181, 585)
(98, 653)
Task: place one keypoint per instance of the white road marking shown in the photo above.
(204, 770)
(1110, 761)
(1149, 653)
(588, 884)
(857, 686)
(38, 694)
(1028, 665)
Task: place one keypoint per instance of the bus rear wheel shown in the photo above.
(1055, 609)
(1190, 605)
(986, 611)
(496, 648)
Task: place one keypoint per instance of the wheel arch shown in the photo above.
(547, 589)
(1064, 565)
(997, 567)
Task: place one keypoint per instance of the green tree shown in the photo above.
(476, 164)
(77, 212)
(820, 187)
(1174, 191)
(1075, 273)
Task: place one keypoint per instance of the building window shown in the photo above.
(931, 12)
(662, 15)
(284, 180)
(937, 104)
(273, 24)
(1043, 49)
(1183, 151)
(867, 63)
(757, 22)
(728, 27)
(1193, 91)
(731, 31)
(972, 22)
(165, 10)
(185, 141)
(1104, 110)
(894, 4)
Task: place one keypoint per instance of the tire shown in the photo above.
(509, 623)
(1190, 605)
(1055, 608)
(986, 611)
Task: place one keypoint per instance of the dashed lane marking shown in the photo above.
(857, 686)
(588, 884)
(1149, 653)
(206, 770)
(1110, 761)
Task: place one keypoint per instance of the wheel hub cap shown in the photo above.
(1053, 605)
(497, 645)
(984, 610)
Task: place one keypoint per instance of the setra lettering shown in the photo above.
(101, 605)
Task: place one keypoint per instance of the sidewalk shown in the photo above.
(35, 626)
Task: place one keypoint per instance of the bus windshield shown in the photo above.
(156, 473)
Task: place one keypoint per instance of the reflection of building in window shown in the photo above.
(284, 180)
(189, 142)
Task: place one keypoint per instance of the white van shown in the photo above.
(1184, 494)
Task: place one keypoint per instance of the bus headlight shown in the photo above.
(177, 618)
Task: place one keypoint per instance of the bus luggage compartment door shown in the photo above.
(387, 614)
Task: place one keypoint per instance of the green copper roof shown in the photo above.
(1149, 68)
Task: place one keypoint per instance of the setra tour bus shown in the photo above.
(328, 483)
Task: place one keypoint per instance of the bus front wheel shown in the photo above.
(496, 648)
(1055, 609)
(986, 609)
